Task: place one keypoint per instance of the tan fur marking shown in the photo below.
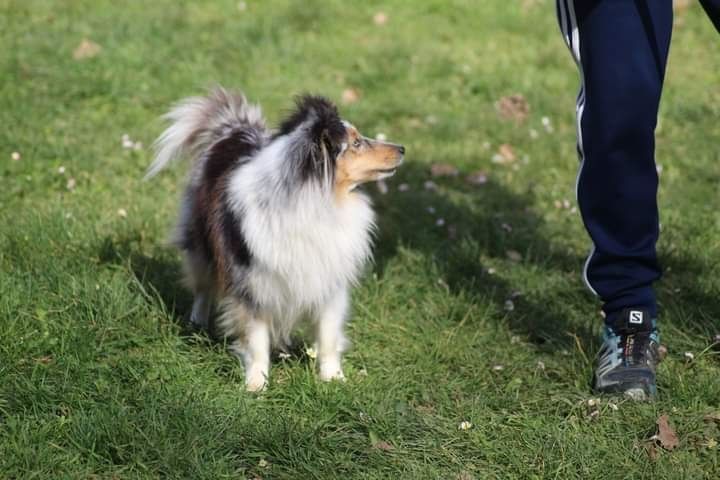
(364, 163)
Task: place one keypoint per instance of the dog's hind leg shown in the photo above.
(331, 337)
(199, 279)
(250, 334)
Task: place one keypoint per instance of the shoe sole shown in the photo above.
(636, 392)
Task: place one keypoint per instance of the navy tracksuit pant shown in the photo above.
(621, 48)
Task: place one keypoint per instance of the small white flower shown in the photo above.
(263, 463)
(403, 187)
(465, 425)
(613, 406)
(431, 209)
(498, 368)
(547, 125)
(689, 355)
(534, 134)
(380, 137)
(514, 339)
(430, 185)
(122, 212)
(71, 184)
(566, 203)
(491, 271)
(284, 355)
(593, 402)
(541, 365)
(363, 372)
(15, 156)
(311, 352)
(509, 305)
(61, 170)
(127, 143)
(439, 222)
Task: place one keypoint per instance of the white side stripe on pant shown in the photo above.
(571, 33)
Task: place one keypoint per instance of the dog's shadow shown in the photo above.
(157, 277)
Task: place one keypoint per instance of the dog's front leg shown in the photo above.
(253, 348)
(331, 337)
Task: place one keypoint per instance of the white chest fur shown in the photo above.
(305, 246)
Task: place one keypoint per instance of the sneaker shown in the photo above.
(629, 355)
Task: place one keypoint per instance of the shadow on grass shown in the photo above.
(694, 309)
(489, 221)
(158, 275)
(158, 278)
(480, 221)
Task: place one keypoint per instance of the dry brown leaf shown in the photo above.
(662, 352)
(477, 178)
(666, 435)
(651, 451)
(384, 446)
(506, 152)
(86, 49)
(350, 95)
(513, 107)
(443, 170)
(380, 18)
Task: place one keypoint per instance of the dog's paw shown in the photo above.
(256, 382)
(331, 371)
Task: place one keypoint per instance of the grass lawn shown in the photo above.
(474, 310)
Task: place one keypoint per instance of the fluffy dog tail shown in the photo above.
(196, 123)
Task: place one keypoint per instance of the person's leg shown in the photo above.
(712, 7)
(621, 47)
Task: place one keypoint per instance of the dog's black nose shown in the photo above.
(402, 149)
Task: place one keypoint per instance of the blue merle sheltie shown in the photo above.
(271, 223)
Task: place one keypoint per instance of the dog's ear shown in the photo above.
(319, 134)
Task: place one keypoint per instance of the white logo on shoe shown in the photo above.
(636, 316)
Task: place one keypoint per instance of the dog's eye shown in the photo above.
(357, 143)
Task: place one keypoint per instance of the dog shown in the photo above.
(272, 225)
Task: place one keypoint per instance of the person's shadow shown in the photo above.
(453, 223)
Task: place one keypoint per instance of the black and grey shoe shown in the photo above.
(629, 355)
